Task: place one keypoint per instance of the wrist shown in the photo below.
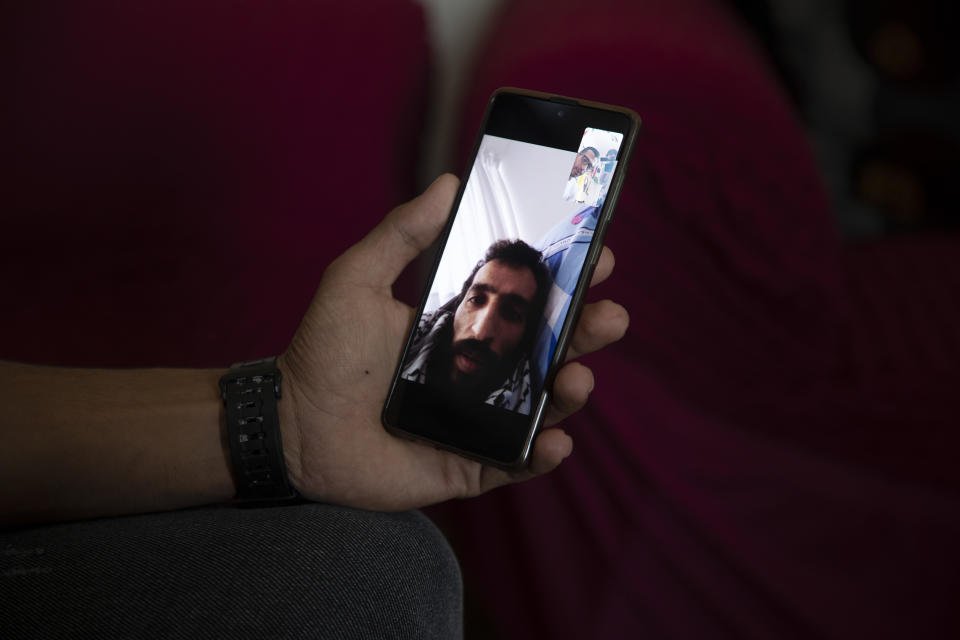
(289, 416)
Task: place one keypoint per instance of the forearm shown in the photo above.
(91, 442)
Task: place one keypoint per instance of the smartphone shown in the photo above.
(509, 280)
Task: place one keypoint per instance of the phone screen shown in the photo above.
(523, 239)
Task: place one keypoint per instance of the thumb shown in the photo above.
(403, 234)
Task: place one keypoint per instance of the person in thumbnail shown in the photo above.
(477, 345)
(580, 173)
(584, 161)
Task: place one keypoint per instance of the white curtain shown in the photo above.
(487, 213)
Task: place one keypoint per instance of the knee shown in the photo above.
(376, 574)
(309, 571)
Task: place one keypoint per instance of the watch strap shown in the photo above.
(250, 392)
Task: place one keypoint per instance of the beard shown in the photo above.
(492, 370)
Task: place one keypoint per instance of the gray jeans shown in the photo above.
(308, 571)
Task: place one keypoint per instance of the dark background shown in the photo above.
(877, 83)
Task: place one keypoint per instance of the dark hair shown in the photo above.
(517, 254)
(595, 152)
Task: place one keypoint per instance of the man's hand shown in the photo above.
(339, 366)
(84, 442)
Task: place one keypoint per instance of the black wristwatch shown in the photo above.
(250, 393)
